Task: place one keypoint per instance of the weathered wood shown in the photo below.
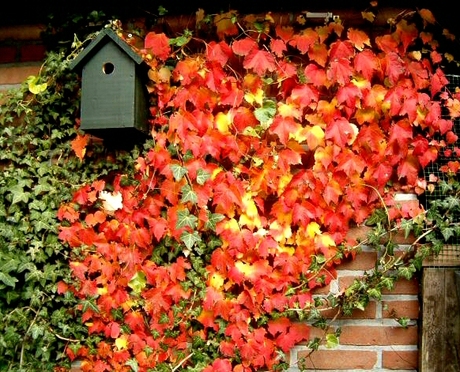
(440, 346)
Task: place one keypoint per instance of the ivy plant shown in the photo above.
(39, 173)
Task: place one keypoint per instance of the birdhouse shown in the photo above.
(113, 93)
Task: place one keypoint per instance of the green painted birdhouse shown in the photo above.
(113, 93)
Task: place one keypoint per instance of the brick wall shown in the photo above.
(21, 53)
(371, 340)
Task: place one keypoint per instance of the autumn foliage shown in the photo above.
(269, 143)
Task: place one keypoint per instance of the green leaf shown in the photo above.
(213, 219)
(190, 238)
(332, 340)
(185, 219)
(178, 171)
(202, 176)
(188, 195)
(19, 195)
(138, 282)
(266, 113)
(8, 279)
(133, 364)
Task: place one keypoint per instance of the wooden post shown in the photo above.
(440, 348)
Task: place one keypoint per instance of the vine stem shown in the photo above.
(182, 362)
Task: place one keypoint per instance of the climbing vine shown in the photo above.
(39, 172)
(269, 143)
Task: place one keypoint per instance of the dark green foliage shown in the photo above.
(39, 172)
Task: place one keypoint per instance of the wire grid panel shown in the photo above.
(452, 249)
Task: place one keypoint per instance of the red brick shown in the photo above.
(400, 359)
(338, 359)
(397, 309)
(404, 286)
(362, 261)
(8, 54)
(378, 335)
(369, 312)
(32, 53)
(17, 74)
(21, 32)
(321, 290)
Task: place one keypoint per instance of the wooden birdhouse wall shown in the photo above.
(112, 95)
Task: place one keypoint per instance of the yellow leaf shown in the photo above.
(121, 342)
(326, 240)
(257, 97)
(250, 216)
(216, 281)
(287, 110)
(315, 137)
(102, 291)
(283, 182)
(223, 122)
(369, 16)
(34, 87)
(313, 229)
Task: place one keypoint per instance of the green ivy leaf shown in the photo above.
(202, 176)
(185, 219)
(332, 340)
(34, 87)
(133, 364)
(138, 282)
(190, 238)
(178, 171)
(8, 279)
(188, 195)
(213, 219)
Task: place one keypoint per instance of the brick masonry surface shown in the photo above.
(21, 53)
(371, 340)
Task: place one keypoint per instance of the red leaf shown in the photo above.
(340, 131)
(218, 52)
(367, 63)
(409, 169)
(283, 127)
(284, 32)
(278, 47)
(244, 46)
(158, 44)
(319, 54)
(260, 61)
(341, 49)
(305, 40)
(340, 71)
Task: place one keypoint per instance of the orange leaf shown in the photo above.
(79, 145)
(225, 25)
(427, 16)
(358, 38)
(159, 45)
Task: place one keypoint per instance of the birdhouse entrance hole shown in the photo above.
(108, 68)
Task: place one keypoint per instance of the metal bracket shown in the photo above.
(327, 16)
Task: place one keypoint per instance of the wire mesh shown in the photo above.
(451, 153)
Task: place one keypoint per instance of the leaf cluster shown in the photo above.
(269, 143)
(38, 173)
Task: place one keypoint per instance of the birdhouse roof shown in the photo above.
(101, 39)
